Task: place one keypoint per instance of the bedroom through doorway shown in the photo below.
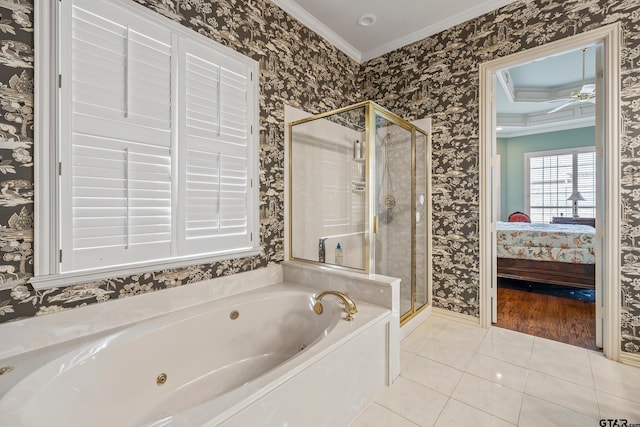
(547, 156)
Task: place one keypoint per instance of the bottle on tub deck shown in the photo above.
(338, 255)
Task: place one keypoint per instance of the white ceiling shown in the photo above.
(402, 22)
(398, 23)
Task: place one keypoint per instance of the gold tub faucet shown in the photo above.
(349, 306)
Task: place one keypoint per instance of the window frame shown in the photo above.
(47, 240)
(559, 152)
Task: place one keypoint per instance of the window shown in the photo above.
(157, 155)
(554, 176)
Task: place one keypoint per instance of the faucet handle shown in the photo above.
(349, 305)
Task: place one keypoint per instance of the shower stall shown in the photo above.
(359, 197)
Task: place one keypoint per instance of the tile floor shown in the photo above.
(459, 375)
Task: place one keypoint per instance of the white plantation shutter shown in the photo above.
(148, 175)
(116, 171)
(216, 152)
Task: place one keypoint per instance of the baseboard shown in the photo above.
(631, 359)
(458, 317)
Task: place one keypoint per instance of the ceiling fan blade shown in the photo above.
(560, 107)
(590, 88)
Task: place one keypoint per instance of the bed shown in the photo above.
(559, 254)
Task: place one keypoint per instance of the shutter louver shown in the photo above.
(119, 188)
(216, 187)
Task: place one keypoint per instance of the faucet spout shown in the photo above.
(349, 306)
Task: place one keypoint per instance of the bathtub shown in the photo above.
(259, 358)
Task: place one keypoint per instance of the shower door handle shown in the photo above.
(375, 224)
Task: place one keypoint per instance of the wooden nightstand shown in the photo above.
(571, 220)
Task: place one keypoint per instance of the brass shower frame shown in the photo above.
(371, 221)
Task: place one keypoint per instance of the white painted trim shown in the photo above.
(65, 279)
(609, 36)
(445, 24)
(301, 14)
(631, 359)
(579, 112)
(44, 133)
(541, 129)
(611, 228)
(456, 317)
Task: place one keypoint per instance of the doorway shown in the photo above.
(607, 148)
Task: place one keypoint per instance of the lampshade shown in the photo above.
(575, 196)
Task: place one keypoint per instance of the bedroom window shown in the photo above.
(553, 176)
(156, 160)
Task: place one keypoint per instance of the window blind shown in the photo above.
(552, 181)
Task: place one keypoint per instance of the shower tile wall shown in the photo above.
(323, 165)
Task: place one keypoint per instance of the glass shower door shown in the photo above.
(393, 206)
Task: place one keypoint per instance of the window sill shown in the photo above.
(67, 279)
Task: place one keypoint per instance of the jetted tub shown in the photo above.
(259, 358)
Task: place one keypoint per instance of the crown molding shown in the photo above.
(575, 117)
(474, 12)
(539, 129)
(294, 9)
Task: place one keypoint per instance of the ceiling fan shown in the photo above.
(587, 92)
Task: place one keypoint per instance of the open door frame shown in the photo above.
(607, 140)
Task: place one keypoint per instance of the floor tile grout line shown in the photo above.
(561, 405)
(435, 423)
(522, 401)
(482, 410)
(536, 340)
(394, 412)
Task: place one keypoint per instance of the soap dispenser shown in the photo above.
(338, 255)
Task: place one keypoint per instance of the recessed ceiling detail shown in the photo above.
(549, 94)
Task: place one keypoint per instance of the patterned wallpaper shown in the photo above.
(439, 77)
(435, 77)
(296, 67)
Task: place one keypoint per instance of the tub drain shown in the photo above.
(302, 347)
(6, 370)
(234, 315)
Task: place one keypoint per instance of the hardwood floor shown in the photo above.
(560, 318)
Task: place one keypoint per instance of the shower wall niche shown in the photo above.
(360, 196)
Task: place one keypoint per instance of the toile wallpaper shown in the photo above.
(436, 77)
(287, 53)
(439, 77)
